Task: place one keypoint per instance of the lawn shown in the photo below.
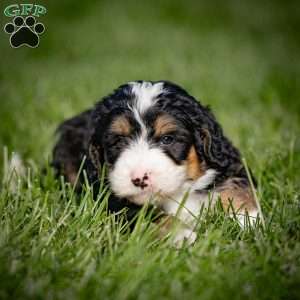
(242, 58)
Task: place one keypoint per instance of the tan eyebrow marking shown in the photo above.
(195, 168)
(121, 126)
(164, 124)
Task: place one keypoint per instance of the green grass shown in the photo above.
(243, 59)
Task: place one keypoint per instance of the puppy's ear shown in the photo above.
(94, 160)
(212, 148)
(212, 145)
(205, 139)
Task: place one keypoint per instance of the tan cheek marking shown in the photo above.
(239, 197)
(195, 168)
(164, 124)
(121, 126)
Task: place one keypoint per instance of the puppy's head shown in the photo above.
(154, 138)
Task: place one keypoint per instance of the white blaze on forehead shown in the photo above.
(146, 94)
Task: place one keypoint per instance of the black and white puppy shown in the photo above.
(159, 144)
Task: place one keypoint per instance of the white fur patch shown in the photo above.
(145, 94)
(188, 201)
(205, 180)
(188, 209)
(140, 121)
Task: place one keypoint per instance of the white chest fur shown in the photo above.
(187, 205)
(189, 200)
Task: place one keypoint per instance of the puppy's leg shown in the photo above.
(182, 232)
(71, 147)
(237, 198)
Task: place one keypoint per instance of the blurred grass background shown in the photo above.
(240, 57)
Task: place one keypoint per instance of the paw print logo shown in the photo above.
(24, 32)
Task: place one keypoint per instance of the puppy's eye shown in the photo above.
(167, 139)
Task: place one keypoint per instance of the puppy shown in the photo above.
(161, 147)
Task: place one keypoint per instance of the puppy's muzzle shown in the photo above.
(141, 181)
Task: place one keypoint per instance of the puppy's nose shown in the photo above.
(141, 182)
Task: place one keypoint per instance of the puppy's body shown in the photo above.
(161, 146)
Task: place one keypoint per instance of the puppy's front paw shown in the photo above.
(184, 235)
(179, 233)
